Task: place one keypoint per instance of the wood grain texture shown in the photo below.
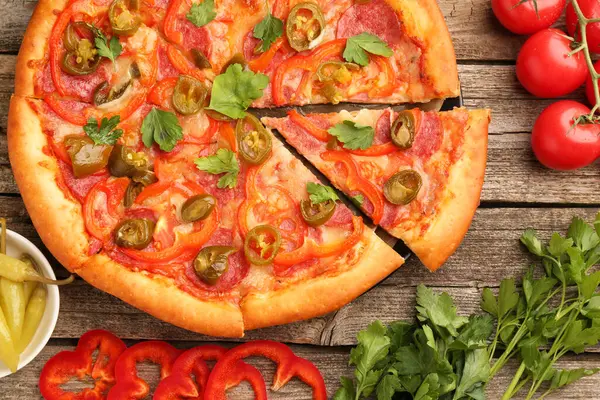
(333, 363)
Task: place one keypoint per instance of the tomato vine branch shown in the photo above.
(583, 22)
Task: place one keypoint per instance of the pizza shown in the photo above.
(416, 174)
(144, 173)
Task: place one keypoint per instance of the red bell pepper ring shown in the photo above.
(79, 363)
(190, 374)
(129, 385)
(225, 373)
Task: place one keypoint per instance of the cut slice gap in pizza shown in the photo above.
(417, 174)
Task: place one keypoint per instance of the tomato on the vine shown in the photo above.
(590, 9)
(520, 16)
(545, 66)
(559, 143)
(589, 86)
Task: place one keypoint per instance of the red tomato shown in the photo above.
(590, 9)
(558, 144)
(522, 18)
(545, 68)
(589, 87)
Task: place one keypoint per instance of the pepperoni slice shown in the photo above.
(376, 17)
(429, 137)
(383, 128)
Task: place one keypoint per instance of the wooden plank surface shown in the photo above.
(333, 364)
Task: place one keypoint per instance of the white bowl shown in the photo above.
(16, 245)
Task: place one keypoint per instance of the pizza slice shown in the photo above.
(210, 225)
(326, 51)
(416, 174)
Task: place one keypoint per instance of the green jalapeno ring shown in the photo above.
(134, 233)
(86, 157)
(259, 234)
(403, 130)
(200, 60)
(198, 207)
(73, 63)
(71, 36)
(124, 20)
(255, 144)
(297, 40)
(337, 66)
(212, 262)
(105, 94)
(402, 187)
(189, 95)
(317, 214)
(124, 161)
(132, 192)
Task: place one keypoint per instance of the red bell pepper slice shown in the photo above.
(80, 363)
(226, 373)
(129, 385)
(309, 126)
(190, 374)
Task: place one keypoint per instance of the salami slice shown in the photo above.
(376, 17)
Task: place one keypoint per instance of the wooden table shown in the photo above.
(518, 193)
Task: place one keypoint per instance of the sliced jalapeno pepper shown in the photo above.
(123, 17)
(305, 23)
(72, 33)
(124, 161)
(132, 192)
(262, 244)
(254, 142)
(212, 262)
(189, 95)
(403, 130)
(200, 60)
(105, 94)
(144, 176)
(87, 158)
(84, 60)
(197, 207)
(317, 214)
(134, 233)
(402, 187)
(238, 58)
(336, 71)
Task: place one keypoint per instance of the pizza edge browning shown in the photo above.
(35, 44)
(460, 200)
(324, 294)
(428, 24)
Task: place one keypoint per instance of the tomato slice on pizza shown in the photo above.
(417, 174)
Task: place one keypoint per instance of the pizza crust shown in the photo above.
(57, 219)
(159, 297)
(461, 199)
(319, 296)
(35, 44)
(424, 20)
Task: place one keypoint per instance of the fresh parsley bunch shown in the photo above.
(553, 314)
(446, 356)
(443, 356)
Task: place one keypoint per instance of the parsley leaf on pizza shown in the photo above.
(320, 193)
(106, 132)
(223, 161)
(353, 135)
(202, 13)
(161, 127)
(359, 199)
(109, 49)
(233, 91)
(268, 30)
(358, 46)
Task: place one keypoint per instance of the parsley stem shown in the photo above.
(512, 388)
